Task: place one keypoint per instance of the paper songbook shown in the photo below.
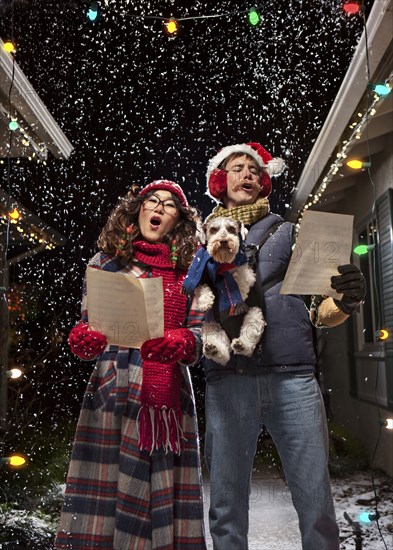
(126, 309)
(324, 242)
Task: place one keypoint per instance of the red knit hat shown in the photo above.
(165, 185)
(217, 178)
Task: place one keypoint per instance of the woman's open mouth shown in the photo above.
(155, 222)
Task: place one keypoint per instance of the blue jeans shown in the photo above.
(291, 408)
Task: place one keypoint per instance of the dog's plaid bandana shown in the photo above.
(230, 301)
(247, 213)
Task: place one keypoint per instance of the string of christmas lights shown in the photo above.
(4, 286)
(382, 334)
(171, 24)
(15, 125)
(191, 17)
(39, 154)
(33, 236)
(93, 13)
(357, 128)
(380, 90)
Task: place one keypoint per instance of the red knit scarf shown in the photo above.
(160, 416)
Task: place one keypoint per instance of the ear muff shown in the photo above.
(218, 184)
(266, 184)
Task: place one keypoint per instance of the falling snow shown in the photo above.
(138, 105)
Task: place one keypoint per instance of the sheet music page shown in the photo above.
(324, 242)
(127, 310)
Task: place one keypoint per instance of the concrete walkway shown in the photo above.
(273, 520)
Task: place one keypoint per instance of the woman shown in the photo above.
(134, 478)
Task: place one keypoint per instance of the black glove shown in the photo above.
(352, 285)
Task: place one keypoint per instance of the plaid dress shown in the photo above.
(118, 497)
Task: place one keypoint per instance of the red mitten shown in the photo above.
(86, 344)
(176, 345)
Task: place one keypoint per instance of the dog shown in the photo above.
(222, 237)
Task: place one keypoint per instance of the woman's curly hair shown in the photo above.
(116, 238)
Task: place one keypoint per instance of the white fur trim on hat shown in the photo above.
(275, 167)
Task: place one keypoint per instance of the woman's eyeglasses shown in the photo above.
(169, 205)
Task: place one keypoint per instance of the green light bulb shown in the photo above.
(361, 249)
(253, 17)
(13, 125)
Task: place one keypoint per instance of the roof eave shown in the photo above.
(353, 87)
(30, 106)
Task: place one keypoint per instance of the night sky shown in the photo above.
(138, 105)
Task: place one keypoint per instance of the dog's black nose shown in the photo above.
(223, 242)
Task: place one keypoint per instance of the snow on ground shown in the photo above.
(355, 496)
(273, 520)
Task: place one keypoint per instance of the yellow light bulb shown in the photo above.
(383, 334)
(9, 47)
(14, 215)
(16, 460)
(171, 26)
(355, 164)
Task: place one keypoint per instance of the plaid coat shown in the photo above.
(118, 497)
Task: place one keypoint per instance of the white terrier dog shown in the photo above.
(222, 243)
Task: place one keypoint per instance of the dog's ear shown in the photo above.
(201, 231)
(242, 230)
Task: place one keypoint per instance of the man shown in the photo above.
(276, 387)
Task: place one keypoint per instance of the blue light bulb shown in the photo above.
(381, 89)
(364, 517)
(92, 14)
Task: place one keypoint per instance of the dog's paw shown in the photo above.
(237, 346)
(205, 297)
(210, 350)
(217, 354)
(216, 343)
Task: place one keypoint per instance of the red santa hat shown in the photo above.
(165, 185)
(217, 178)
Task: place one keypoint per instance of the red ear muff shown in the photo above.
(218, 183)
(266, 185)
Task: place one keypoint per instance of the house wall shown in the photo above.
(354, 373)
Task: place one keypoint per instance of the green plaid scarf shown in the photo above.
(248, 213)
